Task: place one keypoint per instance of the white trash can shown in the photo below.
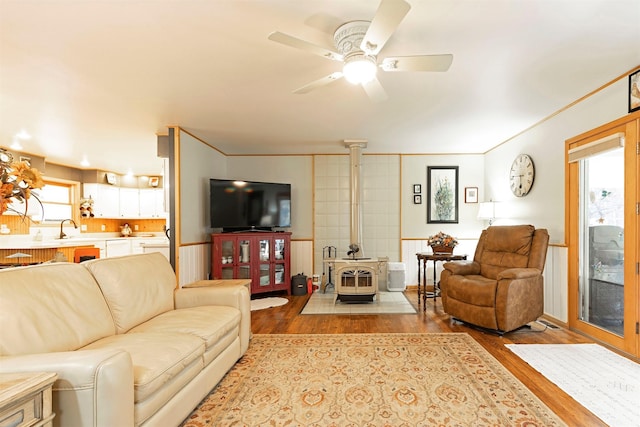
(396, 275)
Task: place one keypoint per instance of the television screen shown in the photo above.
(246, 204)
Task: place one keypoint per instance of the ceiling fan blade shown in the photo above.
(389, 15)
(417, 63)
(375, 91)
(318, 83)
(304, 45)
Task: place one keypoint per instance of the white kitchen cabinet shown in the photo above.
(151, 203)
(129, 202)
(106, 200)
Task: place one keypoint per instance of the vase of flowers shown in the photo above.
(442, 243)
(17, 180)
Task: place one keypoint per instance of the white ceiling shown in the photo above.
(101, 78)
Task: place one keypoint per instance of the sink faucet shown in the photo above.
(62, 235)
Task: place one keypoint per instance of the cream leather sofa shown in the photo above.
(128, 347)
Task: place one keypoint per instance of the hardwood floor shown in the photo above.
(287, 320)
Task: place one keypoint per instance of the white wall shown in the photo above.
(380, 206)
(544, 205)
(327, 193)
(198, 163)
(294, 170)
(414, 217)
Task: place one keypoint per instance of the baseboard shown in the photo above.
(555, 321)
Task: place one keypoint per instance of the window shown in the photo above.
(57, 203)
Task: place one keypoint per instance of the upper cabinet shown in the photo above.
(106, 200)
(152, 203)
(129, 203)
(117, 202)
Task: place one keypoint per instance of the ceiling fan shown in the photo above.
(357, 44)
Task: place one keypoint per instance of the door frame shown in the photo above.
(630, 126)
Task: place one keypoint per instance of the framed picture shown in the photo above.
(634, 91)
(471, 194)
(417, 199)
(417, 188)
(442, 194)
(154, 181)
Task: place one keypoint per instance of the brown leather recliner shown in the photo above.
(502, 288)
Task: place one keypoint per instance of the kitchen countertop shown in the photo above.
(27, 242)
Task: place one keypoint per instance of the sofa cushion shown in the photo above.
(210, 323)
(49, 308)
(158, 358)
(505, 247)
(473, 289)
(136, 287)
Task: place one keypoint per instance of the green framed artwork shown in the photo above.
(442, 194)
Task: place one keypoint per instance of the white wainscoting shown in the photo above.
(556, 283)
(195, 260)
(302, 257)
(555, 272)
(411, 247)
(194, 263)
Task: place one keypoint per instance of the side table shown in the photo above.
(423, 259)
(220, 282)
(26, 399)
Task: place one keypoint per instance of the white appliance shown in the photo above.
(118, 247)
(397, 280)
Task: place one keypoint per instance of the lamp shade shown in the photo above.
(487, 211)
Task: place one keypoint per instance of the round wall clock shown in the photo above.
(521, 175)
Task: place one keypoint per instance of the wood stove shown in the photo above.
(357, 279)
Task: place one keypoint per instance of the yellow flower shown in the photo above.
(17, 181)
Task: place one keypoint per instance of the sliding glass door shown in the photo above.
(603, 233)
(601, 241)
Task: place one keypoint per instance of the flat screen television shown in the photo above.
(245, 205)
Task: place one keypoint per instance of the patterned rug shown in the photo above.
(399, 380)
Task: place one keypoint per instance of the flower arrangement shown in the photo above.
(442, 239)
(17, 180)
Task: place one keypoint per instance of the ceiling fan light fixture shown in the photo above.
(360, 68)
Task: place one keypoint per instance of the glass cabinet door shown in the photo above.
(265, 275)
(279, 274)
(265, 265)
(243, 259)
(227, 250)
(244, 251)
(265, 255)
(279, 249)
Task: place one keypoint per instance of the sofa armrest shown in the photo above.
(228, 295)
(94, 387)
(462, 268)
(518, 273)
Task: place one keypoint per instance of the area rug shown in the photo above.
(600, 380)
(262, 303)
(388, 303)
(399, 380)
